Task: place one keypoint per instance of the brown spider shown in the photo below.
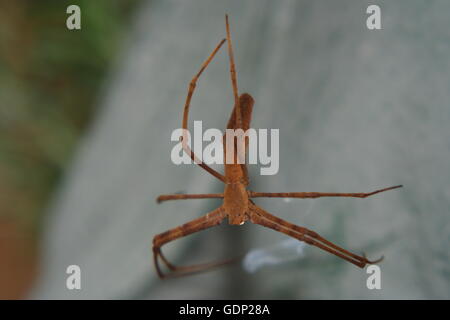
(237, 204)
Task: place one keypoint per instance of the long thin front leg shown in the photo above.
(211, 219)
(166, 197)
(233, 76)
(184, 138)
(262, 217)
(316, 194)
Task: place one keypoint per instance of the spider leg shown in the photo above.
(166, 197)
(184, 138)
(262, 217)
(211, 219)
(316, 194)
(233, 76)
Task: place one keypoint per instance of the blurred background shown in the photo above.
(50, 82)
(86, 118)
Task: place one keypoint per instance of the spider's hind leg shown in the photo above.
(211, 219)
(262, 217)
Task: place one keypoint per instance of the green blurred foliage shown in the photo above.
(49, 81)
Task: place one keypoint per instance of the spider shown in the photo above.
(238, 205)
